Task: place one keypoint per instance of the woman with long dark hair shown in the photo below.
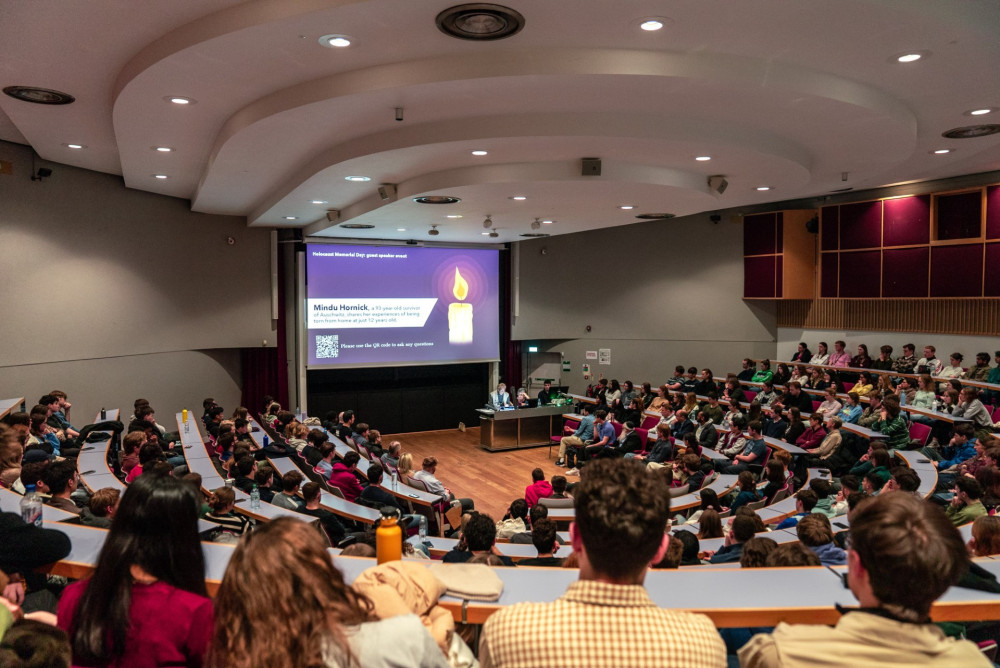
(146, 603)
(283, 604)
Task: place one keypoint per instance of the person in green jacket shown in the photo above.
(765, 374)
(967, 503)
(892, 424)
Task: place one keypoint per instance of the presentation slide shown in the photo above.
(398, 305)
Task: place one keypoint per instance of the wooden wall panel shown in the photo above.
(930, 316)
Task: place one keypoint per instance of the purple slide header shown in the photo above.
(400, 305)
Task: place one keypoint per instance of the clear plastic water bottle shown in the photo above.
(422, 529)
(31, 506)
(255, 498)
(395, 481)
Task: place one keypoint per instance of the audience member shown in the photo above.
(621, 513)
(741, 530)
(289, 496)
(345, 474)
(101, 508)
(335, 531)
(62, 480)
(540, 488)
(814, 531)
(710, 525)
(896, 541)
(805, 501)
(543, 537)
(223, 513)
(967, 503)
(791, 555)
(434, 486)
(756, 551)
(515, 521)
(985, 541)
(146, 600)
(479, 536)
(317, 621)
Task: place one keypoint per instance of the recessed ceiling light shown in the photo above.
(479, 153)
(454, 215)
(76, 146)
(972, 131)
(627, 207)
(650, 25)
(178, 99)
(547, 222)
(400, 229)
(980, 112)
(485, 234)
(942, 151)
(290, 218)
(358, 179)
(335, 41)
(163, 149)
(703, 158)
(519, 198)
(318, 201)
(909, 56)
(159, 176)
(38, 95)
(479, 21)
(763, 188)
(437, 199)
(357, 226)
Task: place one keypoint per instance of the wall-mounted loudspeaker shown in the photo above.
(333, 215)
(718, 184)
(387, 191)
(591, 167)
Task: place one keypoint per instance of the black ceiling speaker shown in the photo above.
(812, 225)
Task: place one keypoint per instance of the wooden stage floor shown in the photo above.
(491, 479)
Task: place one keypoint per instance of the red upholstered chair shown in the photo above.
(919, 433)
(618, 428)
(816, 404)
(750, 394)
(643, 436)
(649, 422)
(572, 424)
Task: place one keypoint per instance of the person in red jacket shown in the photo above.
(538, 489)
(814, 435)
(344, 476)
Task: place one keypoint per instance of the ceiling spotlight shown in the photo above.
(163, 149)
(335, 41)
(980, 112)
(488, 223)
(437, 199)
(519, 198)
(318, 201)
(290, 218)
(485, 234)
(75, 146)
(763, 188)
(434, 231)
(38, 95)
(942, 151)
(159, 176)
(479, 21)
(454, 215)
(909, 57)
(547, 222)
(651, 25)
(494, 234)
(627, 207)
(177, 99)
(400, 229)
(535, 225)
(703, 158)
(358, 179)
(479, 153)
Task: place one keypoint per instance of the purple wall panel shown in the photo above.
(828, 276)
(904, 272)
(959, 216)
(860, 274)
(779, 278)
(830, 217)
(993, 212)
(906, 221)
(957, 271)
(861, 225)
(758, 277)
(779, 234)
(759, 234)
(992, 277)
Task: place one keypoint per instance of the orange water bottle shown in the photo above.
(389, 537)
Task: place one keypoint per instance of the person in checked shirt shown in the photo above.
(606, 618)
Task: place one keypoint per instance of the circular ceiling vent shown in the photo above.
(357, 226)
(480, 21)
(534, 235)
(972, 131)
(654, 216)
(437, 199)
(38, 95)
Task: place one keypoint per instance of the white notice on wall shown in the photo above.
(605, 356)
(592, 354)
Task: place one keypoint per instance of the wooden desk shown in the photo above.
(923, 467)
(518, 428)
(8, 405)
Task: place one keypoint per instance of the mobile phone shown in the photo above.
(924, 461)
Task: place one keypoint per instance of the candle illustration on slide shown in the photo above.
(459, 313)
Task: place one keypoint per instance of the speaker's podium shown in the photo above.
(518, 428)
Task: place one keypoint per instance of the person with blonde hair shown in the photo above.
(283, 604)
(405, 466)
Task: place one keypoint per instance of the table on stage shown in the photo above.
(518, 428)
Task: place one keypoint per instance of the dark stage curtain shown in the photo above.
(510, 351)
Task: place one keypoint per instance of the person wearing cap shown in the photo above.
(434, 486)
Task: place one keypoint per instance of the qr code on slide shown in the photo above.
(327, 346)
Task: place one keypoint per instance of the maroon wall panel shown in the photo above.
(779, 279)
(758, 277)
(759, 234)
(860, 274)
(959, 216)
(779, 233)
(992, 277)
(957, 271)
(861, 225)
(830, 217)
(906, 221)
(993, 212)
(828, 276)
(904, 272)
